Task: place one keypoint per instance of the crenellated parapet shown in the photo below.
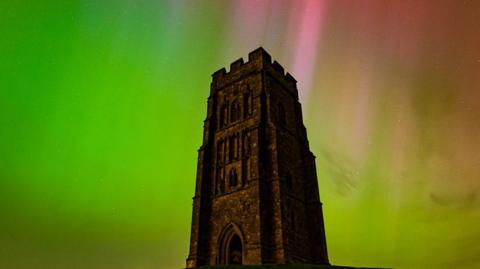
(258, 60)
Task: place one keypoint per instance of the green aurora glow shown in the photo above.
(102, 106)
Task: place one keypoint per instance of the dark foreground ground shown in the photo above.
(284, 266)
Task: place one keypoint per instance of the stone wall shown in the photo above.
(252, 178)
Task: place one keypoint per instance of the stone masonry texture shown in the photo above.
(256, 196)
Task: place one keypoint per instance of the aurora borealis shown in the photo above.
(102, 106)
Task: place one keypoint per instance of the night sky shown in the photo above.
(102, 106)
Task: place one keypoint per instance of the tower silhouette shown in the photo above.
(256, 197)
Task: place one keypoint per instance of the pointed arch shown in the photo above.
(247, 106)
(230, 245)
(234, 111)
(223, 115)
(246, 145)
(232, 178)
(221, 185)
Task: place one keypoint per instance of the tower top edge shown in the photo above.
(257, 59)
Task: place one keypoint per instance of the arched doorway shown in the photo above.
(235, 253)
(230, 246)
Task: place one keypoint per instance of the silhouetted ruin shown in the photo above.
(256, 198)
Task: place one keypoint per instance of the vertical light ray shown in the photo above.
(101, 115)
(247, 24)
(309, 21)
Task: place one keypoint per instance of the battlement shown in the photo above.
(259, 59)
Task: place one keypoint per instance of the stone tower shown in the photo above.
(256, 197)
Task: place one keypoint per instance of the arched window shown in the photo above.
(288, 180)
(234, 111)
(231, 148)
(246, 105)
(220, 146)
(246, 145)
(232, 180)
(221, 186)
(282, 116)
(223, 115)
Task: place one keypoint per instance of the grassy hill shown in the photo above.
(283, 266)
